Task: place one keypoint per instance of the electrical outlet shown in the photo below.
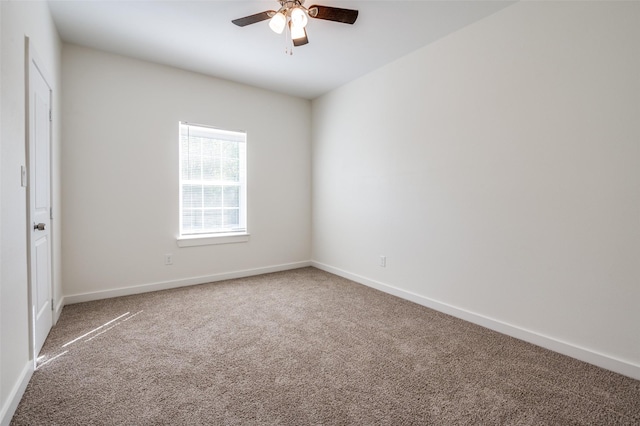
(168, 259)
(383, 261)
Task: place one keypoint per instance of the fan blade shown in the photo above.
(252, 19)
(302, 40)
(346, 16)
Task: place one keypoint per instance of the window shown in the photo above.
(213, 176)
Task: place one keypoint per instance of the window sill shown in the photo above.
(210, 239)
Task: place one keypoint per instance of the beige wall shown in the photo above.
(120, 175)
(20, 19)
(497, 169)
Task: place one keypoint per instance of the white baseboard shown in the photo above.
(14, 397)
(165, 285)
(583, 354)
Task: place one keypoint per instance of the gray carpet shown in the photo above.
(303, 347)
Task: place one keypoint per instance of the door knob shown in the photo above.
(39, 226)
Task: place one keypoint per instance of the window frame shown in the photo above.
(224, 236)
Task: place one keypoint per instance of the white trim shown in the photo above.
(211, 239)
(165, 285)
(14, 397)
(58, 310)
(590, 356)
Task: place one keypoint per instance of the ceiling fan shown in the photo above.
(293, 16)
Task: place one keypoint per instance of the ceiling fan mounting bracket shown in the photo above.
(287, 5)
(291, 3)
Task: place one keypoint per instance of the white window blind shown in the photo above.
(213, 177)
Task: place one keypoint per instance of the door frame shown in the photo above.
(31, 56)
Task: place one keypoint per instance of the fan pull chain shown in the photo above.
(288, 41)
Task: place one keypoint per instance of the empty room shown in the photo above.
(343, 212)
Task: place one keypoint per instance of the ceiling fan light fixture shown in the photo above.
(299, 17)
(293, 17)
(278, 22)
(297, 31)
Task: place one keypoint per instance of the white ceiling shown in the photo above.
(199, 36)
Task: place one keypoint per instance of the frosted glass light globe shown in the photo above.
(278, 22)
(299, 17)
(297, 32)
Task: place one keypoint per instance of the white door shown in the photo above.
(39, 189)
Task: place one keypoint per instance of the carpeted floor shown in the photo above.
(303, 347)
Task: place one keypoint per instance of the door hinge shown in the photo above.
(51, 213)
(52, 304)
(50, 116)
